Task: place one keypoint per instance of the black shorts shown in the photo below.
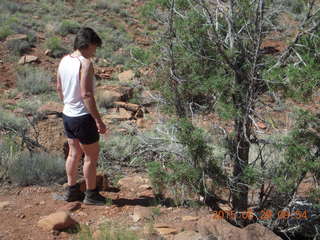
(83, 128)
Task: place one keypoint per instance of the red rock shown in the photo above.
(57, 221)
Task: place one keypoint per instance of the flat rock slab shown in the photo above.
(28, 59)
(126, 76)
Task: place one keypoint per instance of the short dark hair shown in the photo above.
(86, 36)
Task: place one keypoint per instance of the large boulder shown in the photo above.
(220, 228)
(107, 95)
(259, 232)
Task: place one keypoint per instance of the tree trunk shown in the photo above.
(241, 144)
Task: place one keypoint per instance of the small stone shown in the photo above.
(47, 52)
(57, 221)
(42, 203)
(261, 125)
(4, 205)
(165, 231)
(189, 218)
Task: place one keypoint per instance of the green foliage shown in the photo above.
(179, 178)
(5, 31)
(107, 231)
(31, 80)
(295, 6)
(19, 47)
(55, 45)
(36, 168)
(141, 55)
(157, 176)
(8, 153)
(301, 153)
(193, 139)
(11, 123)
(10, 6)
(68, 26)
(113, 6)
(113, 41)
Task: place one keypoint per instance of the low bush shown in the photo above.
(31, 80)
(36, 169)
(5, 31)
(10, 6)
(108, 231)
(8, 154)
(68, 26)
(54, 44)
(19, 47)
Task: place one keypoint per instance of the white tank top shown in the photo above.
(69, 71)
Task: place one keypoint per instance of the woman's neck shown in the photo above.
(78, 53)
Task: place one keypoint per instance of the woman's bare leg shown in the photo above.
(91, 152)
(72, 163)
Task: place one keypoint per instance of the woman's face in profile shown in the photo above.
(91, 50)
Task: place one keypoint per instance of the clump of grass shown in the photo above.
(31, 80)
(5, 31)
(36, 168)
(107, 231)
(19, 47)
(8, 154)
(54, 44)
(10, 6)
(68, 26)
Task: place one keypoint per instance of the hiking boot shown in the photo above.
(73, 193)
(93, 197)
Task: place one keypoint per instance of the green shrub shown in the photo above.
(36, 168)
(54, 44)
(19, 47)
(68, 26)
(12, 123)
(5, 31)
(10, 6)
(108, 231)
(102, 4)
(31, 80)
(8, 154)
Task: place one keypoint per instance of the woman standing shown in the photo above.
(81, 119)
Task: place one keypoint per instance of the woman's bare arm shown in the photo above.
(87, 94)
(59, 87)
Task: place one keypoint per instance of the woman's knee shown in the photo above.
(91, 151)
